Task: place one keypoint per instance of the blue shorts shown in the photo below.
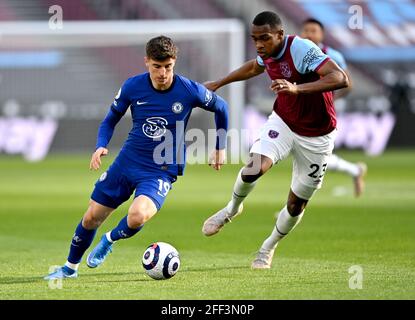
(114, 187)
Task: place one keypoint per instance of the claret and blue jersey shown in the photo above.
(159, 117)
(299, 60)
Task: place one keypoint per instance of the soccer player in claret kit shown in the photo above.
(302, 122)
(161, 103)
(314, 31)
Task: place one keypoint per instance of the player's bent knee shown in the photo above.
(248, 178)
(251, 175)
(295, 204)
(256, 168)
(295, 209)
(138, 218)
(142, 210)
(90, 221)
(95, 215)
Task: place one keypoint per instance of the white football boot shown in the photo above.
(216, 222)
(263, 259)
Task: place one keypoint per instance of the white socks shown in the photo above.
(73, 266)
(108, 236)
(336, 163)
(285, 223)
(240, 191)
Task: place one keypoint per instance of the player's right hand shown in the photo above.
(211, 85)
(283, 86)
(96, 158)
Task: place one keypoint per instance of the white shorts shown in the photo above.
(310, 154)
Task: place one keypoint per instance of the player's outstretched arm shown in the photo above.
(248, 70)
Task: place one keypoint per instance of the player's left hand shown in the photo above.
(217, 159)
(96, 158)
(283, 86)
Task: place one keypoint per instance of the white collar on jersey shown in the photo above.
(279, 55)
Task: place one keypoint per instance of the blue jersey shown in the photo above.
(156, 140)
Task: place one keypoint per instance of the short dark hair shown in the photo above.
(161, 48)
(313, 20)
(267, 17)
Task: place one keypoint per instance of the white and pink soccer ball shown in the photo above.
(161, 261)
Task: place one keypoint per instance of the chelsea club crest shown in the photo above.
(177, 107)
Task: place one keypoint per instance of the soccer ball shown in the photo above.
(161, 261)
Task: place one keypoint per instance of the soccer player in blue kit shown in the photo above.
(161, 103)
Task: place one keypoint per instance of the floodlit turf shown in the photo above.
(41, 203)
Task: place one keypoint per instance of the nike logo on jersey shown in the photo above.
(140, 103)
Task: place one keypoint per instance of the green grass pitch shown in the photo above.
(41, 203)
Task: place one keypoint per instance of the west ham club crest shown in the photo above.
(273, 134)
(285, 69)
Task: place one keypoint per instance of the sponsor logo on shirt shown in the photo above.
(155, 127)
(312, 55)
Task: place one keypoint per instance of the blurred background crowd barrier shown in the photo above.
(59, 77)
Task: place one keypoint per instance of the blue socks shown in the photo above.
(81, 241)
(123, 231)
(83, 238)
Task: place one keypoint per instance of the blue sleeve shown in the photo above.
(210, 101)
(337, 57)
(221, 119)
(116, 112)
(307, 56)
(122, 99)
(106, 129)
